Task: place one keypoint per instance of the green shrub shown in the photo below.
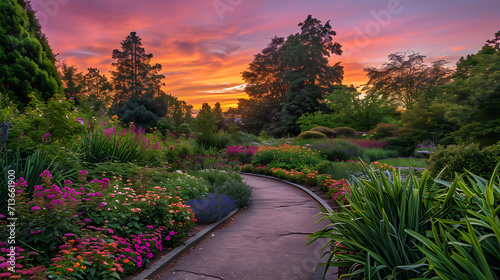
(184, 128)
(325, 130)
(402, 145)
(370, 235)
(187, 186)
(217, 141)
(383, 130)
(165, 123)
(337, 149)
(458, 158)
(227, 183)
(344, 131)
(245, 139)
(373, 154)
(308, 121)
(311, 135)
(287, 157)
(108, 169)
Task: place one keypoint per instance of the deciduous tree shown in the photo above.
(406, 77)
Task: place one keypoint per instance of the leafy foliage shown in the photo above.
(311, 135)
(458, 158)
(27, 63)
(405, 77)
(308, 121)
(352, 109)
(371, 235)
(337, 149)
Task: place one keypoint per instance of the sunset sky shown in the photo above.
(204, 45)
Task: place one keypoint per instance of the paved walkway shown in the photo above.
(266, 241)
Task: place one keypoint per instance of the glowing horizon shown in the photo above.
(204, 46)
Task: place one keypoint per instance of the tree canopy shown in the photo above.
(406, 77)
(138, 94)
(289, 78)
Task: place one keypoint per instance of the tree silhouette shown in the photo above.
(292, 76)
(138, 94)
(406, 77)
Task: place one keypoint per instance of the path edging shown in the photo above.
(164, 261)
(307, 191)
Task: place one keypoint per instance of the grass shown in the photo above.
(405, 162)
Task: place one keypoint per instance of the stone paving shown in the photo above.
(266, 241)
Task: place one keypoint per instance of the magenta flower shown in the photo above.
(46, 175)
(45, 136)
(80, 121)
(172, 233)
(83, 172)
(35, 208)
(172, 147)
(167, 237)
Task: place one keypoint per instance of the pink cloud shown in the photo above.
(203, 49)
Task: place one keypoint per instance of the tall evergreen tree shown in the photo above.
(139, 97)
(27, 63)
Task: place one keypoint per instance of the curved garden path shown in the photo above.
(265, 241)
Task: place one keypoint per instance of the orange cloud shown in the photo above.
(203, 50)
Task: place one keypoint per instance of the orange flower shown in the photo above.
(74, 249)
(126, 260)
(71, 241)
(69, 269)
(65, 251)
(76, 264)
(83, 267)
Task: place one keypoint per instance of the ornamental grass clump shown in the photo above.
(465, 245)
(110, 145)
(369, 234)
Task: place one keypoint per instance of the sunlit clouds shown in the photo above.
(204, 46)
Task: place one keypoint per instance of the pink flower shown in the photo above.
(45, 136)
(167, 237)
(172, 147)
(83, 172)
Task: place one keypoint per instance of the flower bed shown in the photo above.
(336, 189)
(94, 229)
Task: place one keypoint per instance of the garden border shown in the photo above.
(307, 191)
(164, 261)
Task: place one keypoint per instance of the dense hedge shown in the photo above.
(456, 158)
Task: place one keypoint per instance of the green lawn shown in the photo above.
(405, 162)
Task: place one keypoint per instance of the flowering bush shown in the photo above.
(287, 157)
(243, 154)
(102, 222)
